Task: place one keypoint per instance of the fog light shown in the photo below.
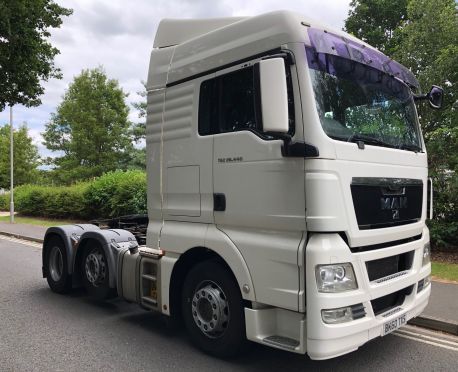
(334, 316)
(335, 278)
(426, 254)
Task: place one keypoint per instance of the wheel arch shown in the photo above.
(234, 262)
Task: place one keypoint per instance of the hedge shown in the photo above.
(111, 195)
(5, 202)
(117, 194)
(52, 201)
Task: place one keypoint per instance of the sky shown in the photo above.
(119, 34)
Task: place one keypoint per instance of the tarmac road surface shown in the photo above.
(43, 331)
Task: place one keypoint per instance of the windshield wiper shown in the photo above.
(368, 140)
(408, 147)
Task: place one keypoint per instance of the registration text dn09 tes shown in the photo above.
(287, 191)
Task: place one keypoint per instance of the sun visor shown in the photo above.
(328, 43)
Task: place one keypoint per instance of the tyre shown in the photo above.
(213, 310)
(55, 263)
(95, 272)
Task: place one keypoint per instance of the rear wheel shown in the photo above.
(213, 309)
(94, 271)
(56, 266)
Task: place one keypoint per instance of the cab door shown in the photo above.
(259, 199)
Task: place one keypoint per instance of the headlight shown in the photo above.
(426, 254)
(335, 278)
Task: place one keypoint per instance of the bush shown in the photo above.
(443, 234)
(52, 202)
(111, 195)
(5, 202)
(116, 194)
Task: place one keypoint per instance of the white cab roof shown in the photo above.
(176, 31)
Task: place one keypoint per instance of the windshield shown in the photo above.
(358, 103)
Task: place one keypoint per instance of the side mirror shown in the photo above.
(435, 97)
(274, 97)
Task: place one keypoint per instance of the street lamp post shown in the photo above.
(11, 167)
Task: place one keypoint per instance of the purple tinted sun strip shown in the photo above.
(328, 43)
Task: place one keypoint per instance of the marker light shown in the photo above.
(426, 254)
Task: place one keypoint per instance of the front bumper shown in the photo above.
(330, 340)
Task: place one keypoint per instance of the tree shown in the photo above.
(139, 129)
(90, 128)
(138, 155)
(137, 159)
(25, 155)
(26, 57)
(375, 21)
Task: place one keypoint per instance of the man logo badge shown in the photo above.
(393, 203)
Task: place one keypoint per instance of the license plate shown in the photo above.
(394, 324)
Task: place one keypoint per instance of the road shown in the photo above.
(43, 331)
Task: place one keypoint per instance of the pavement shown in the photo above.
(441, 314)
(23, 231)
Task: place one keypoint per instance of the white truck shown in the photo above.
(287, 191)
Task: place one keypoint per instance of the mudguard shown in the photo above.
(70, 235)
(112, 241)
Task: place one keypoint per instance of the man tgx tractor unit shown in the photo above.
(287, 191)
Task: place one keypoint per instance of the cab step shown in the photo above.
(282, 342)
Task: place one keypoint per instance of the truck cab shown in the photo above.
(287, 188)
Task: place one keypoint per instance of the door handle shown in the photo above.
(219, 202)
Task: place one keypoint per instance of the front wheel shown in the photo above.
(95, 271)
(213, 309)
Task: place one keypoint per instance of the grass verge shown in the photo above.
(445, 271)
(45, 222)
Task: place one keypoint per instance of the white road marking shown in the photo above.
(425, 336)
(426, 342)
(21, 241)
(414, 334)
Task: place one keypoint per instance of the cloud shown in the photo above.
(119, 35)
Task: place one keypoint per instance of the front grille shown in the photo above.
(388, 266)
(390, 301)
(386, 202)
(391, 243)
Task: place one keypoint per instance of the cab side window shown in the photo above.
(227, 103)
(237, 101)
(231, 103)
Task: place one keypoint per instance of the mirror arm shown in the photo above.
(292, 149)
(285, 54)
(300, 150)
(420, 97)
